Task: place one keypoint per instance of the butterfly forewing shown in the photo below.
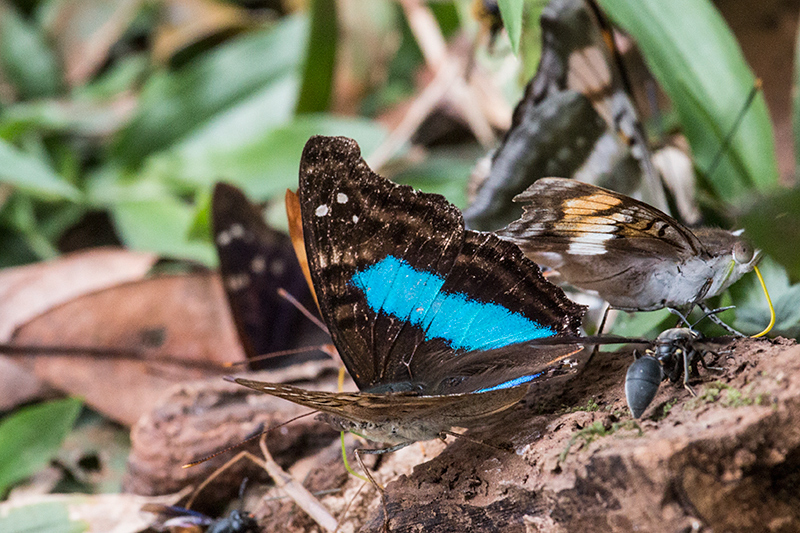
(570, 217)
(255, 261)
(402, 286)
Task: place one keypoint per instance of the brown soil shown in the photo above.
(570, 458)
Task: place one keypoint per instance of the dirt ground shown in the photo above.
(568, 458)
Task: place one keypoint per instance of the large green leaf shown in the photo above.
(752, 312)
(173, 104)
(317, 86)
(31, 437)
(49, 517)
(266, 165)
(773, 224)
(698, 62)
(162, 226)
(511, 12)
(30, 173)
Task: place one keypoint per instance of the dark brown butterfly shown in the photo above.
(436, 324)
(256, 261)
(576, 119)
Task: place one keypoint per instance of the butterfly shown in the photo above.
(255, 261)
(632, 255)
(576, 118)
(436, 324)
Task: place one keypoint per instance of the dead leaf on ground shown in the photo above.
(180, 320)
(30, 290)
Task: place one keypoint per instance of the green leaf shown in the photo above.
(266, 165)
(162, 226)
(698, 62)
(511, 13)
(52, 517)
(29, 64)
(443, 173)
(173, 104)
(315, 93)
(644, 324)
(31, 174)
(772, 223)
(31, 437)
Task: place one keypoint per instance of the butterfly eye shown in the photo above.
(742, 253)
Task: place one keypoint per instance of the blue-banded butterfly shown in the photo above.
(437, 325)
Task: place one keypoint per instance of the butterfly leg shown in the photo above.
(718, 321)
(599, 333)
(369, 451)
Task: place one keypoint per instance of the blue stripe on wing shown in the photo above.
(394, 287)
(511, 383)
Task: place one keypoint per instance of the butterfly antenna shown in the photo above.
(304, 349)
(726, 142)
(300, 307)
(245, 441)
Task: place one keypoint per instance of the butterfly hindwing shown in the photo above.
(255, 261)
(402, 286)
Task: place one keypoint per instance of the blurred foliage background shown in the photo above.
(118, 116)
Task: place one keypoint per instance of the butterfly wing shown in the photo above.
(255, 261)
(401, 284)
(595, 237)
(576, 119)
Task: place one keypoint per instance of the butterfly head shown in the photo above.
(731, 252)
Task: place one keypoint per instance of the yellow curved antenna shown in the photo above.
(769, 302)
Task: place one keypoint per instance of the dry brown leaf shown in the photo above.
(183, 320)
(85, 30)
(30, 290)
(185, 22)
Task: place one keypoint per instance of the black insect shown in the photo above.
(675, 352)
(185, 520)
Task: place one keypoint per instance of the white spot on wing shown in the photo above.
(237, 282)
(355, 219)
(277, 268)
(341, 198)
(258, 265)
(322, 210)
(224, 238)
(236, 231)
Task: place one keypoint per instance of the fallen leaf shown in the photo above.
(30, 290)
(175, 328)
